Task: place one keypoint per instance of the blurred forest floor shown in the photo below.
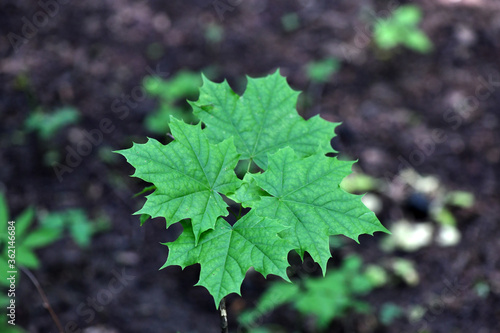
(436, 114)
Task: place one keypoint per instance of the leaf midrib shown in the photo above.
(266, 112)
(229, 116)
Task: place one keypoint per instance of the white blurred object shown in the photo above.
(372, 202)
(410, 236)
(406, 270)
(448, 236)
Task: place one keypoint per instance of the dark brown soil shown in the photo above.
(91, 53)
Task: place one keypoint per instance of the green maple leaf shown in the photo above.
(226, 253)
(189, 175)
(306, 195)
(262, 120)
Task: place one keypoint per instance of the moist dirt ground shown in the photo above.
(398, 109)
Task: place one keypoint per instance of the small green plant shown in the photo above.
(80, 227)
(26, 240)
(169, 92)
(402, 29)
(288, 199)
(46, 125)
(321, 298)
(322, 70)
(18, 241)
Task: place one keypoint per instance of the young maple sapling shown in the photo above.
(293, 203)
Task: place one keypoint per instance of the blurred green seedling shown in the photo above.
(19, 239)
(321, 70)
(440, 210)
(48, 124)
(170, 93)
(76, 222)
(11, 235)
(402, 29)
(324, 299)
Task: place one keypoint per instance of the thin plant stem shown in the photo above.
(223, 316)
(234, 214)
(46, 303)
(249, 165)
(239, 213)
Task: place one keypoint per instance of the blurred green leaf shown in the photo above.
(320, 71)
(323, 298)
(41, 237)
(24, 221)
(402, 29)
(408, 15)
(386, 36)
(444, 216)
(418, 41)
(53, 220)
(406, 270)
(48, 124)
(377, 275)
(181, 86)
(276, 295)
(26, 257)
(159, 121)
(460, 199)
(4, 300)
(75, 221)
